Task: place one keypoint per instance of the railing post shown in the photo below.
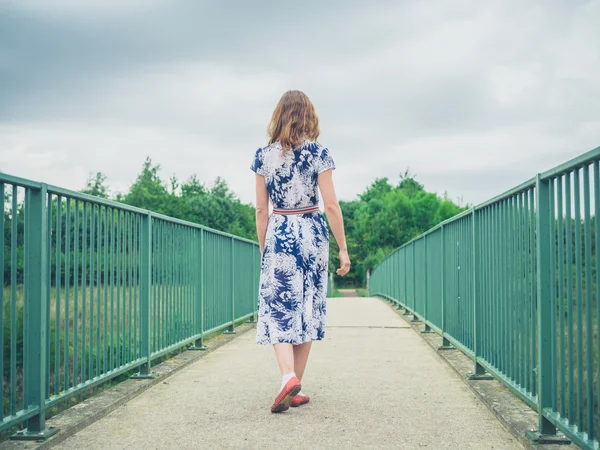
(252, 297)
(445, 342)
(406, 311)
(145, 300)
(545, 313)
(427, 329)
(231, 329)
(414, 284)
(479, 373)
(35, 330)
(199, 342)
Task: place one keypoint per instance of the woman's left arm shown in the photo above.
(262, 210)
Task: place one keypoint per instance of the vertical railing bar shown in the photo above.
(185, 281)
(156, 284)
(163, 295)
(129, 285)
(35, 326)
(404, 251)
(569, 318)
(180, 236)
(475, 258)
(172, 299)
(414, 279)
(113, 281)
(123, 278)
(529, 289)
(579, 297)
(76, 236)
(84, 289)
(190, 292)
(523, 289)
(145, 289)
(118, 357)
(496, 286)
(167, 301)
(492, 285)
(67, 291)
(136, 283)
(176, 284)
(545, 305)
(561, 293)
(482, 282)
(106, 278)
(166, 270)
(588, 306)
(552, 288)
(202, 286)
(503, 303)
(2, 202)
(532, 305)
(98, 288)
(426, 294)
(508, 294)
(26, 293)
(506, 283)
(232, 284)
(92, 292)
(597, 253)
(185, 266)
(49, 204)
(58, 287)
(516, 290)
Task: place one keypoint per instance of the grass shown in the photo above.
(100, 347)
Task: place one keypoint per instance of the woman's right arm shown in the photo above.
(335, 218)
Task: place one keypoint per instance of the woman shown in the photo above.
(294, 241)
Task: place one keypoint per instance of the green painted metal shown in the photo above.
(545, 305)
(105, 289)
(517, 288)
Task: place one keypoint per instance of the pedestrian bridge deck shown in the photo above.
(374, 383)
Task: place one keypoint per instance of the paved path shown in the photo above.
(374, 384)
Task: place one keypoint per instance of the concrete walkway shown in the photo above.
(374, 383)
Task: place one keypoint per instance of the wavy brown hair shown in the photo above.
(294, 120)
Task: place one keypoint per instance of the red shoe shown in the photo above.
(285, 397)
(299, 400)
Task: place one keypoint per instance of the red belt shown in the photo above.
(303, 210)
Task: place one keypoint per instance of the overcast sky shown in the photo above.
(473, 96)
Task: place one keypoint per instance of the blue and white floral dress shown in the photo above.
(293, 279)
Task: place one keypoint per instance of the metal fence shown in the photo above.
(94, 289)
(514, 284)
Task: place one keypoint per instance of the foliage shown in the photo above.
(380, 219)
(384, 217)
(96, 186)
(216, 207)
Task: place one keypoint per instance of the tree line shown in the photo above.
(383, 217)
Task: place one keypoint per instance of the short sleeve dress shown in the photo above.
(294, 268)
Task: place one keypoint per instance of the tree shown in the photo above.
(148, 191)
(96, 185)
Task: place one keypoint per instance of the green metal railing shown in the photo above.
(514, 283)
(94, 289)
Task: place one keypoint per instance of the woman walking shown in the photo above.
(294, 240)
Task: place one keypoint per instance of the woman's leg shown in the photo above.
(300, 358)
(285, 357)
